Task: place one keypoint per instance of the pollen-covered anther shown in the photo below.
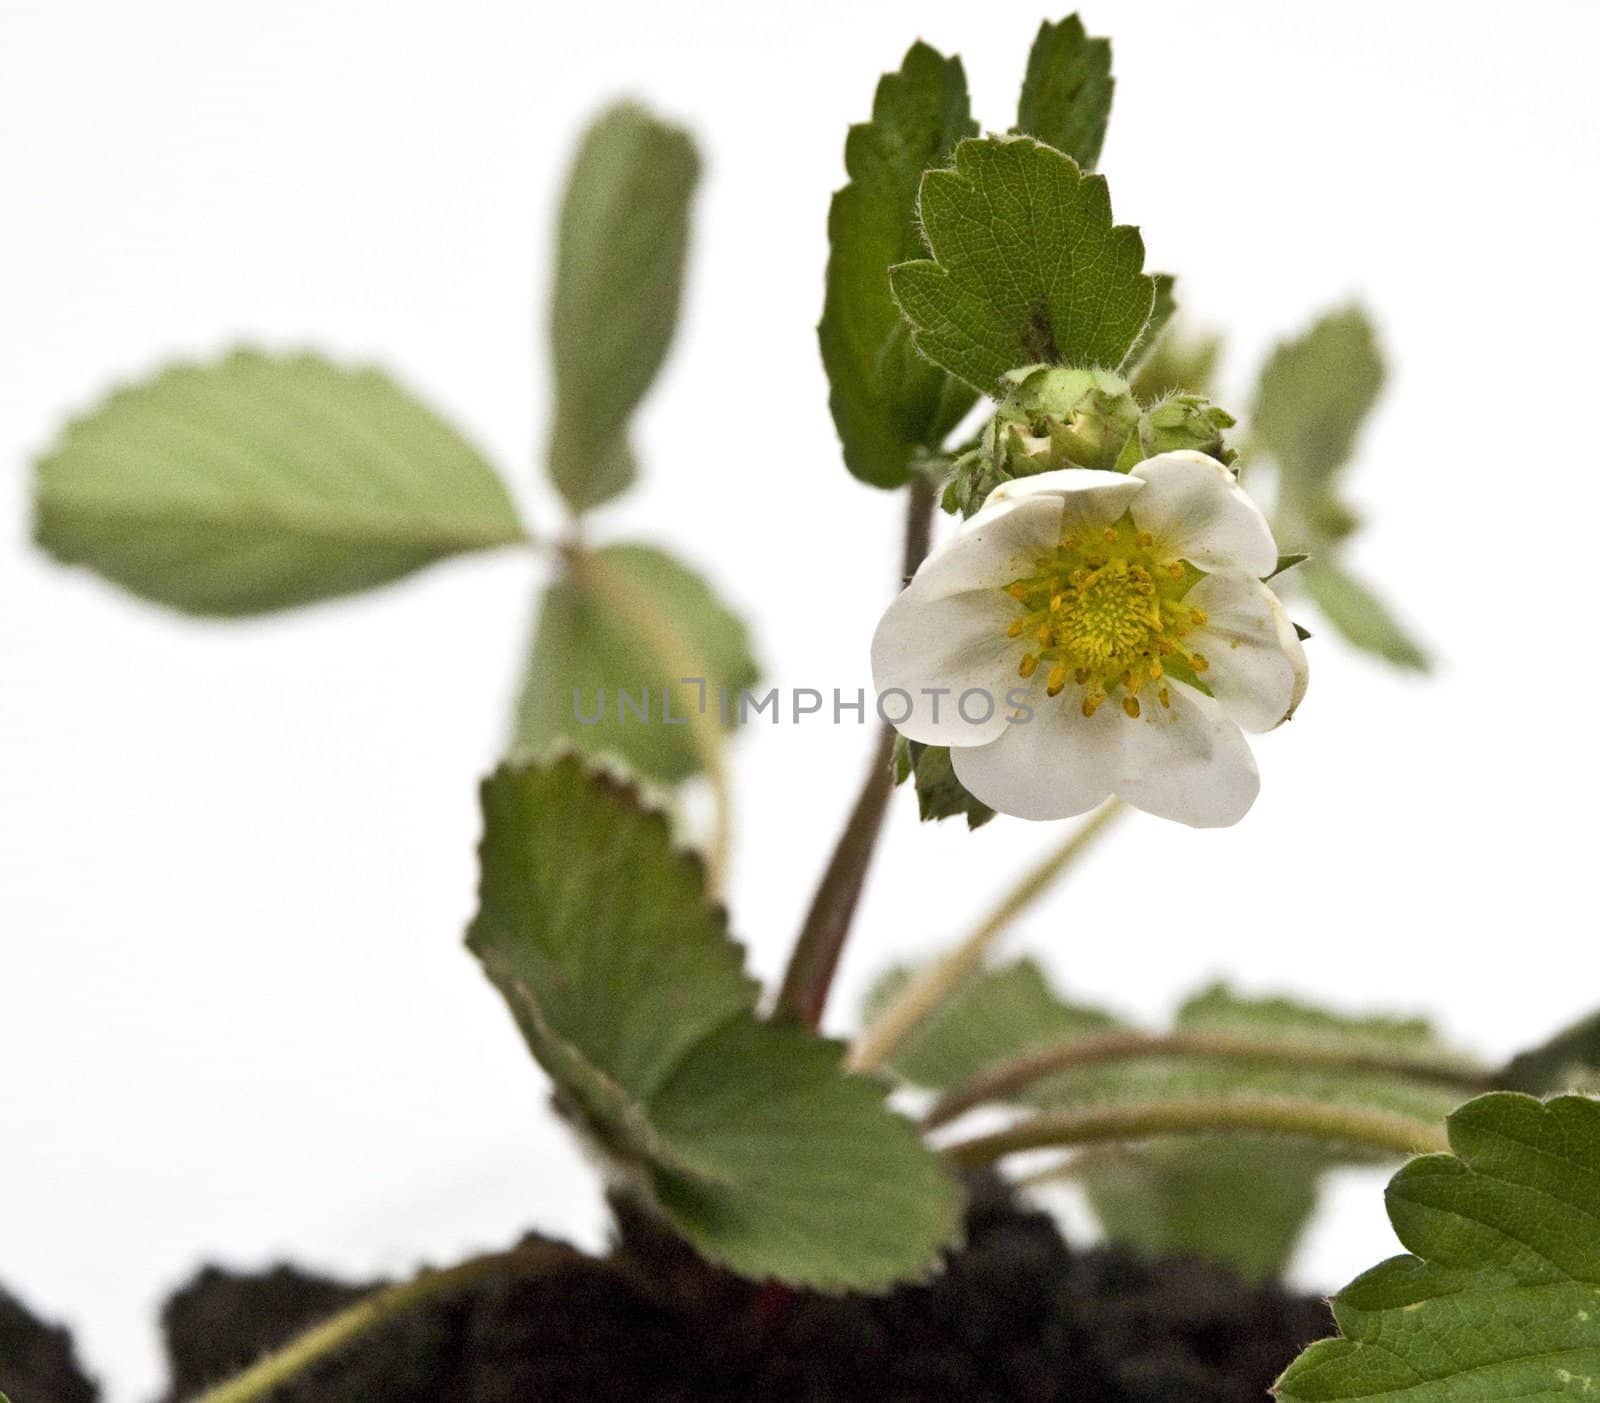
(1056, 681)
(1028, 666)
(1130, 704)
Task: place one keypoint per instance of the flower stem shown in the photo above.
(1003, 1080)
(322, 1340)
(676, 655)
(804, 992)
(926, 992)
(1385, 1131)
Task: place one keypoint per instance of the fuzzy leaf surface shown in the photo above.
(621, 243)
(590, 647)
(1500, 1297)
(1026, 266)
(888, 403)
(259, 482)
(624, 981)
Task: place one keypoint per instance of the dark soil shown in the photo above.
(1017, 1316)
(36, 1360)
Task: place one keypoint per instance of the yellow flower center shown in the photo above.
(1106, 613)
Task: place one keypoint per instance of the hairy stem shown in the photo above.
(1387, 1132)
(334, 1333)
(1003, 1080)
(677, 656)
(804, 992)
(926, 992)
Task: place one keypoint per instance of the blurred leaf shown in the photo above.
(1026, 268)
(1244, 1200)
(996, 1015)
(1359, 615)
(939, 793)
(1314, 394)
(590, 647)
(888, 403)
(1240, 1200)
(259, 482)
(1499, 1300)
(1570, 1061)
(1175, 363)
(624, 981)
(1066, 95)
(621, 241)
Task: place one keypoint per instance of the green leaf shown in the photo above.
(1500, 1298)
(1240, 1200)
(620, 973)
(1570, 1061)
(939, 793)
(1314, 394)
(636, 622)
(1027, 266)
(995, 1015)
(1243, 1201)
(1066, 96)
(1359, 615)
(259, 482)
(1162, 312)
(889, 404)
(621, 241)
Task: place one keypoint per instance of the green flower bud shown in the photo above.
(1180, 422)
(1048, 418)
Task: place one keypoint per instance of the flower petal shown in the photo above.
(1187, 762)
(951, 643)
(992, 549)
(1054, 765)
(1258, 668)
(1091, 498)
(1197, 512)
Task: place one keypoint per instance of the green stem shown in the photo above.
(334, 1333)
(1387, 1132)
(1003, 1080)
(804, 992)
(926, 992)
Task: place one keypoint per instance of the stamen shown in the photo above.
(1144, 540)
(1015, 627)
(1056, 681)
(1131, 706)
(1093, 702)
(1027, 666)
(1198, 662)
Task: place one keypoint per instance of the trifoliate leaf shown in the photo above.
(622, 237)
(259, 482)
(1242, 1201)
(1360, 615)
(1500, 1298)
(1245, 1201)
(939, 793)
(1027, 266)
(615, 635)
(889, 404)
(1570, 1061)
(620, 973)
(1066, 96)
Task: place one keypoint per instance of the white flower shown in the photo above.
(1093, 633)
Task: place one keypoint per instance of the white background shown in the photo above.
(237, 1019)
